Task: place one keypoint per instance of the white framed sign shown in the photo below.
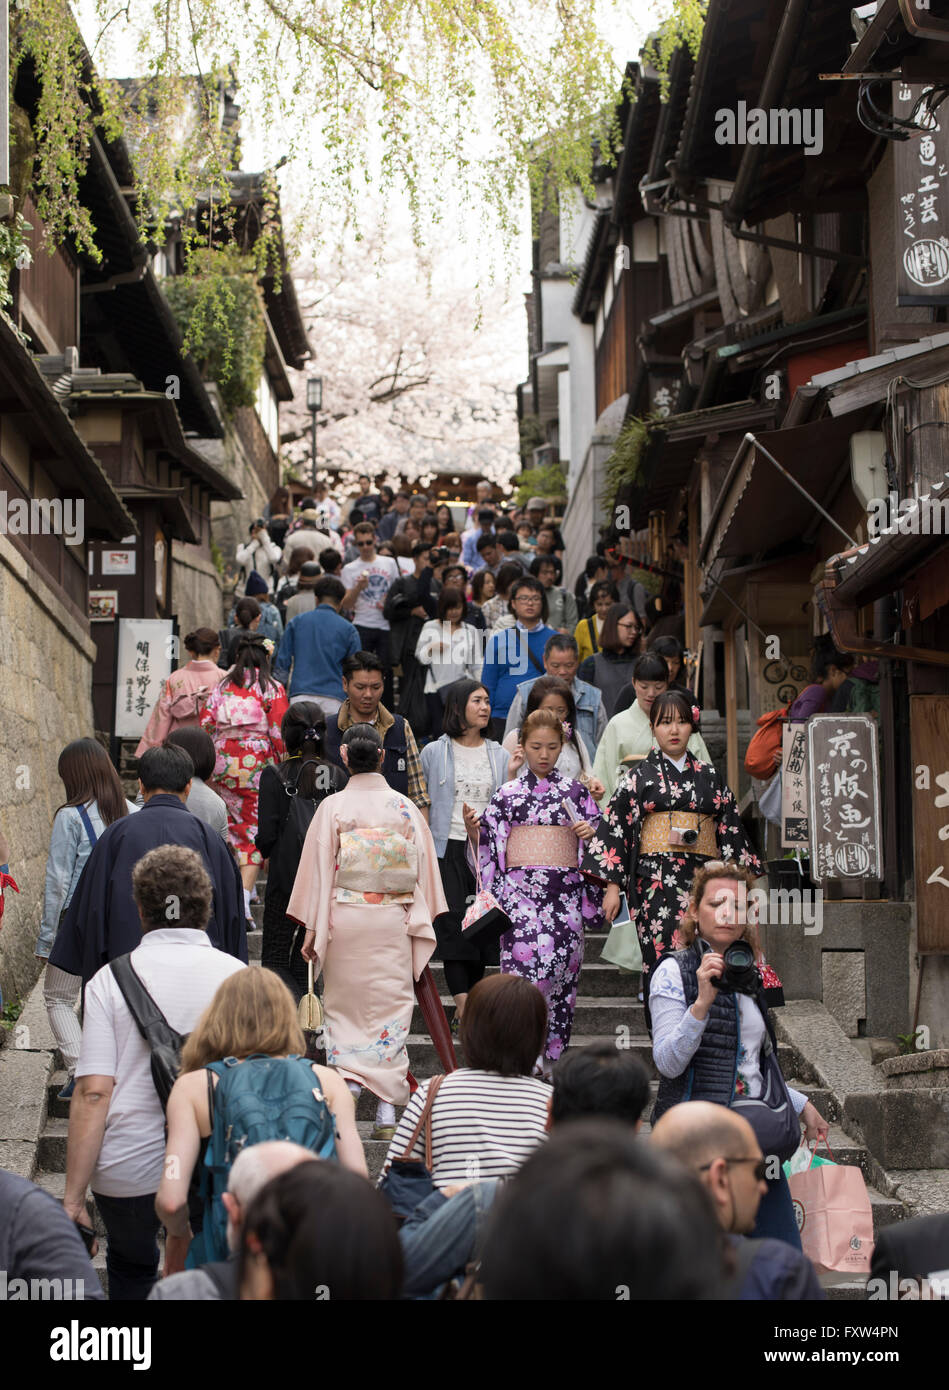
(118, 562)
(143, 664)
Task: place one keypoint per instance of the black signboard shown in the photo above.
(921, 168)
(844, 797)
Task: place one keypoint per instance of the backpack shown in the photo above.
(299, 811)
(759, 759)
(259, 1099)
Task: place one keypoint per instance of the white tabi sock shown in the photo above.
(355, 1087)
(385, 1113)
(247, 911)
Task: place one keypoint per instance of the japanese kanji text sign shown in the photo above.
(844, 797)
(143, 664)
(921, 168)
(794, 787)
(929, 739)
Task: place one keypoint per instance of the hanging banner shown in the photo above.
(929, 740)
(143, 664)
(921, 181)
(845, 828)
(794, 833)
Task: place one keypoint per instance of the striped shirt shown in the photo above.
(484, 1125)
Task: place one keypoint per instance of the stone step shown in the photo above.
(825, 1100)
(593, 1015)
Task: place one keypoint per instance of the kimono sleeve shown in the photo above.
(607, 757)
(614, 847)
(733, 843)
(313, 886)
(158, 726)
(492, 842)
(278, 708)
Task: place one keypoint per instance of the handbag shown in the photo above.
(772, 1115)
(769, 802)
(834, 1217)
(622, 947)
(409, 1180)
(485, 921)
(310, 1007)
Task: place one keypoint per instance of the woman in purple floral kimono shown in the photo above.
(530, 847)
(665, 819)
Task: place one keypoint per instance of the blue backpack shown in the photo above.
(256, 1100)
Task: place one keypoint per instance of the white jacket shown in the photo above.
(260, 555)
(449, 656)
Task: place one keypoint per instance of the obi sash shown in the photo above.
(654, 836)
(542, 846)
(376, 865)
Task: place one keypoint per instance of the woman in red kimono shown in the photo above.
(243, 717)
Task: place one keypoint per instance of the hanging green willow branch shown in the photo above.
(408, 95)
(681, 27)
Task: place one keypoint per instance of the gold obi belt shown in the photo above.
(654, 836)
(542, 847)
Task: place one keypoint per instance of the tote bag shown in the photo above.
(834, 1217)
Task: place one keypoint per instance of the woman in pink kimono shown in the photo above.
(367, 891)
(185, 692)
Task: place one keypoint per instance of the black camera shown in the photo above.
(740, 975)
(438, 556)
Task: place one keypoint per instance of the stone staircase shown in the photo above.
(607, 1008)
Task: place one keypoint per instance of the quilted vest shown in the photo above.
(395, 767)
(712, 1071)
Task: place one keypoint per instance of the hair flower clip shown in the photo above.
(567, 729)
(696, 714)
(268, 645)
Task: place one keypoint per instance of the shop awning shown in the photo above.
(758, 509)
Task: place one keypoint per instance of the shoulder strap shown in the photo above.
(84, 817)
(591, 628)
(425, 1119)
(539, 664)
(147, 1015)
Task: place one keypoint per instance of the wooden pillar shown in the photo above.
(731, 708)
(691, 577)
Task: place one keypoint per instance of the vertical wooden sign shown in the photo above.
(929, 741)
(794, 833)
(844, 797)
(921, 201)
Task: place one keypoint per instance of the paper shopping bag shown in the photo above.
(834, 1218)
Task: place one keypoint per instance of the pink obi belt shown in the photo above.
(542, 846)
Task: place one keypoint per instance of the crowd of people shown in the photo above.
(423, 732)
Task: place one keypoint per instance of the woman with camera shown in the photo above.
(664, 819)
(713, 1039)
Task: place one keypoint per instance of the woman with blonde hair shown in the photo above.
(251, 1023)
(712, 1037)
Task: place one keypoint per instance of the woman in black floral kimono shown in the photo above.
(666, 818)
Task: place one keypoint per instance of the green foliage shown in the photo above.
(623, 464)
(548, 481)
(14, 252)
(217, 558)
(408, 95)
(11, 1012)
(682, 26)
(220, 310)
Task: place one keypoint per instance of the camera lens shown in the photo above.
(739, 956)
(689, 837)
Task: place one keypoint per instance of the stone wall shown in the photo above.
(196, 586)
(45, 702)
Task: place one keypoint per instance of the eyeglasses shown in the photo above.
(760, 1169)
(364, 544)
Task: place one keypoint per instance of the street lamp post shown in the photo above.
(314, 401)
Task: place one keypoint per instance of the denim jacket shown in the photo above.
(69, 848)
(438, 764)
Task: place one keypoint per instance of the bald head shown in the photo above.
(697, 1132)
(722, 1148)
(252, 1169)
